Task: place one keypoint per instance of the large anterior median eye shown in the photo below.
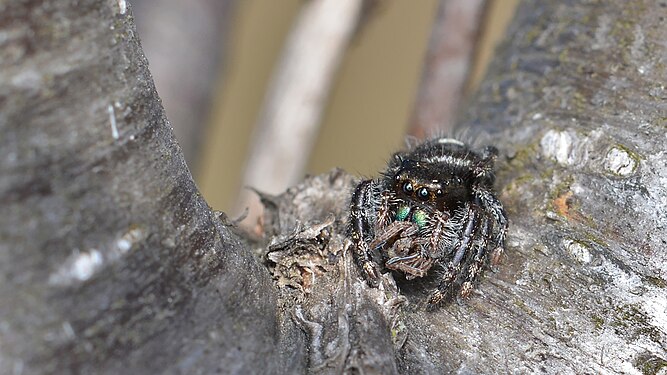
(407, 187)
(422, 193)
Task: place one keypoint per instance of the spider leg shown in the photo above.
(475, 262)
(362, 229)
(462, 250)
(437, 237)
(492, 205)
(384, 213)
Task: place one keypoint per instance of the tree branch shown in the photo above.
(582, 287)
(289, 121)
(111, 262)
(448, 60)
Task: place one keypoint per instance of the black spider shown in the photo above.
(434, 205)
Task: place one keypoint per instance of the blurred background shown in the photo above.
(261, 92)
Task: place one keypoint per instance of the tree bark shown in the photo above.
(111, 262)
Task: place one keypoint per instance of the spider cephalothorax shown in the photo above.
(434, 207)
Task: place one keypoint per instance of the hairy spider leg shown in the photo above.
(384, 213)
(361, 229)
(436, 242)
(491, 204)
(395, 260)
(489, 154)
(445, 286)
(475, 262)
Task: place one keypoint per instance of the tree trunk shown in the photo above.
(112, 263)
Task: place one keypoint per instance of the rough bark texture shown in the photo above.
(577, 102)
(110, 261)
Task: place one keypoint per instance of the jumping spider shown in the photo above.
(434, 208)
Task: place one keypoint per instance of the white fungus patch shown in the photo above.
(578, 189)
(123, 245)
(86, 264)
(558, 145)
(79, 266)
(618, 352)
(655, 181)
(27, 79)
(620, 162)
(655, 305)
(578, 250)
(122, 5)
(129, 239)
(625, 282)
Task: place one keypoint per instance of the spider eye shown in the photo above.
(422, 193)
(407, 187)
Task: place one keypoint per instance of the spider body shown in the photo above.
(433, 208)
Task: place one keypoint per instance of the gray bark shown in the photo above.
(111, 262)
